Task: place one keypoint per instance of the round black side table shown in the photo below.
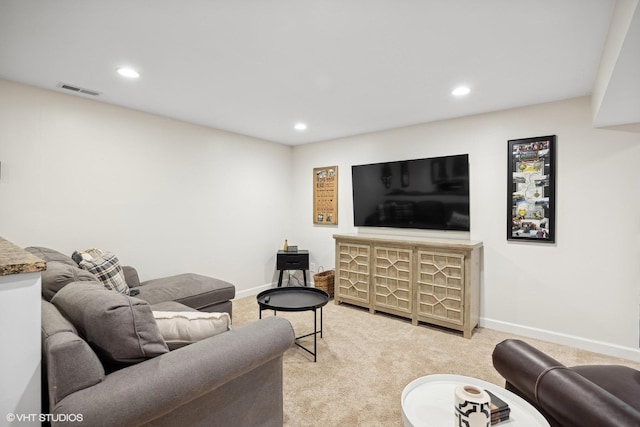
(296, 298)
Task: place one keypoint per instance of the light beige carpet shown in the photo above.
(365, 361)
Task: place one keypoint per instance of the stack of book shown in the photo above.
(499, 409)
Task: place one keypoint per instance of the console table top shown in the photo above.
(417, 240)
(15, 260)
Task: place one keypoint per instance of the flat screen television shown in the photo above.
(430, 193)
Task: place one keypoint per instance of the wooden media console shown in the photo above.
(434, 281)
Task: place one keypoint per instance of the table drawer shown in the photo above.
(293, 261)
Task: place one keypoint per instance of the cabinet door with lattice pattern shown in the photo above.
(392, 278)
(441, 286)
(352, 281)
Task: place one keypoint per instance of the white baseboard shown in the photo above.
(253, 291)
(601, 347)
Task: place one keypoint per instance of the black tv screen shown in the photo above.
(430, 193)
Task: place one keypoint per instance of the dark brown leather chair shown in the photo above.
(581, 396)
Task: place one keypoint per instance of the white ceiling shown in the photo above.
(344, 67)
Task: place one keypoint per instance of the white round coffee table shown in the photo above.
(429, 401)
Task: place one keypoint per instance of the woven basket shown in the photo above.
(324, 280)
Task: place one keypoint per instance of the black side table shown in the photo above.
(298, 260)
(296, 298)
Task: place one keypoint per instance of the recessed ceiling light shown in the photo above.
(461, 91)
(128, 72)
(300, 126)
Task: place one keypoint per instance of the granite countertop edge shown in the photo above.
(15, 260)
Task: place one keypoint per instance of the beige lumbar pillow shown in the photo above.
(179, 328)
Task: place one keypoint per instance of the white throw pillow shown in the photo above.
(179, 328)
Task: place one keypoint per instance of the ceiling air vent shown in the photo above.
(78, 89)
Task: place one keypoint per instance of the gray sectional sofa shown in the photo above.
(104, 360)
(192, 290)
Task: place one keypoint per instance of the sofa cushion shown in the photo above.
(179, 328)
(131, 276)
(120, 328)
(171, 306)
(71, 365)
(50, 255)
(190, 289)
(59, 274)
(106, 268)
(53, 322)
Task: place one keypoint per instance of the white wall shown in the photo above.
(581, 291)
(170, 197)
(165, 196)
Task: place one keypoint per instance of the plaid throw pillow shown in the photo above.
(89, 255)
(106, 267)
